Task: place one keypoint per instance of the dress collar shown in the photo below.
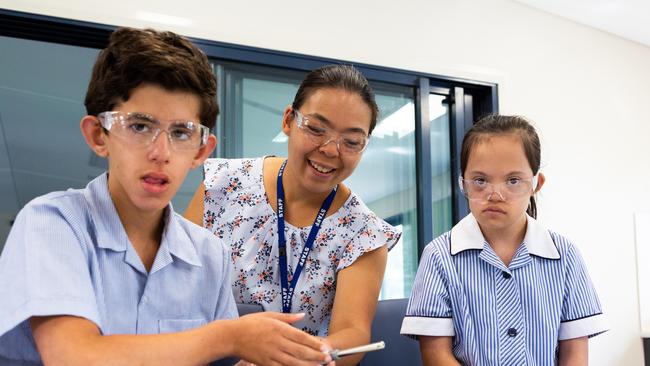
(467, 235)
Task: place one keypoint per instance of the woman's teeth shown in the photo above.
(321, 169)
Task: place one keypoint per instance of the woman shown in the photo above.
(330, 260)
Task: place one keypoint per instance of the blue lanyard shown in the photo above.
(287, 291)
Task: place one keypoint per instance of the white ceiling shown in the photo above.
(629, 19)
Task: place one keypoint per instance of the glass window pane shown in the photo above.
(41, 104)
(390, 159)
(441, 205)
(254, 99)
(264, 103)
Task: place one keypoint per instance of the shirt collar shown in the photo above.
(467, 235)
(111, 234)
(178, 240)
(108, 227)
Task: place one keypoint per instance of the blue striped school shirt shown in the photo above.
(68, 254)
(500, 315)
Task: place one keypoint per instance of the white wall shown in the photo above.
(588, 92)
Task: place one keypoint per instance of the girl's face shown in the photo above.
(495, 166)
(318, 168)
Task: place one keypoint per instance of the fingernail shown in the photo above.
(325, 349)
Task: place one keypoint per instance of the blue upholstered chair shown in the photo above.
(400, 350)
(242, 309)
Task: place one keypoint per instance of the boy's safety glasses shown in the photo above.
(141, 129)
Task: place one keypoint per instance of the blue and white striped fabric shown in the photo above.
(68, 254)
(500, 315)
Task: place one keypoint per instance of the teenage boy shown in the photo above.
(110, 274)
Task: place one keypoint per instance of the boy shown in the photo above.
(110, 274)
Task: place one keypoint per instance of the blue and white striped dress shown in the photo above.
(500, 315)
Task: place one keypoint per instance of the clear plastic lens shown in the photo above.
(481, 189)
(320, 134)
(141, 130)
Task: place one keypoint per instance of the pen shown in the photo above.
(336, 354)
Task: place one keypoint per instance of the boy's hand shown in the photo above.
(268, 339)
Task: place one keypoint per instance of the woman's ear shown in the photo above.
(287, 118)
(540, 181)
(93, 133)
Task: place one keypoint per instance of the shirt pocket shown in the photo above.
(179, 325)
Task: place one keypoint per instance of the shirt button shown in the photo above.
(144, 299)
(506, 275)
(512, 332)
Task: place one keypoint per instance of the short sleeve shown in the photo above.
(212, 171)
(429, 310)
(230, 184)
(581, 311)
(214, 200)
(44, 270)
(373, 234)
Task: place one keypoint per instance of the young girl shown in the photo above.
(300, 240)
(499, 288)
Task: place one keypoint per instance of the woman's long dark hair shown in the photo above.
(345, 77)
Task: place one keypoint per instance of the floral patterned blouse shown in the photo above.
(237, 210)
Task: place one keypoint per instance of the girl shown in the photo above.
(499, 288)
(301, 241)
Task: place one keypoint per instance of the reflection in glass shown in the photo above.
(385, 179)
(440, 164)
(264, 102)
(41, 103)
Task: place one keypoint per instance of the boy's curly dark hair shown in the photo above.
(134, 57)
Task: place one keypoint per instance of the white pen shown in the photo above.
(336, 354)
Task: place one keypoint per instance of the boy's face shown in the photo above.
(144, 178)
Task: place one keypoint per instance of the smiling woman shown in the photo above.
(301, 241)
